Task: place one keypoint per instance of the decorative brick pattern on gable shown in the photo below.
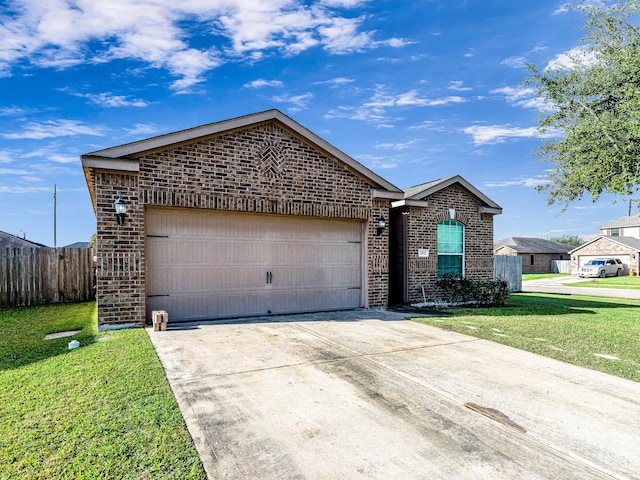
(177, 185)
(227, 172)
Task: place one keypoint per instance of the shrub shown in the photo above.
(480, 293)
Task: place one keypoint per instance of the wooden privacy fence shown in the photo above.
(560, 266)
(508, 268)
(33, 276)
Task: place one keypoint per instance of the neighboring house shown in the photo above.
(11, 241)
(537, 253)
(78, 245)
(257, 215)
(620, 239)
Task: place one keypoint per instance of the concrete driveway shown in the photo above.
(371, 395)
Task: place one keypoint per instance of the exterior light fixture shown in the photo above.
(121, 210)
(382, 224)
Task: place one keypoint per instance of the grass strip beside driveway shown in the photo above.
(629, 283)
(104, 410)
(593, 332)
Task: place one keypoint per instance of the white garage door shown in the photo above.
(623, 258)
(207, 265)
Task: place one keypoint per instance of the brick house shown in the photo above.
(620, 239)
(537, 253)
(441, 226)
(258, 215)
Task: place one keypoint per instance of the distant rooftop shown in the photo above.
(632, 221)
(12, 241)
(532, 245)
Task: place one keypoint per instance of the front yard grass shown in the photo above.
(104, 410)
(594, 332)
(539, 276)
(625, 282)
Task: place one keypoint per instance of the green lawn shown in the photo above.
(538, 276)
(574, 329)
(630, 283)
(104, 410)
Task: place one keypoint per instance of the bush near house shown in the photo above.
(468, 291)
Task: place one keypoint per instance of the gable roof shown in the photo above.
(11, 241)
(632, 221)
(417, 194)
(532, 245)
(629, 242)
(125, 157)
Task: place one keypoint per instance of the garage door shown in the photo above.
(207, 265)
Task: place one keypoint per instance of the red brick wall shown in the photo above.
(264, 169)
(422, 234)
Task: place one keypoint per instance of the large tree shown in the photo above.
(591, 120)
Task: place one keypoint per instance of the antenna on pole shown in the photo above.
(55, 199)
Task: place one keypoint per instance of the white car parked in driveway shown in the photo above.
(602, 267)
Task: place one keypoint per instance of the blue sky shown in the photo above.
(415, 90)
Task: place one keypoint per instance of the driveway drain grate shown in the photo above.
(496, 415)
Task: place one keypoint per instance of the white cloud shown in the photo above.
(336, 81)
(491, 134)
(562, 9)
(53, 129)
(515, 62)
(300, 101)
(572, 59)
(375, 110)
(7, 156)
(109, 100)
(11, 111)
(52, 33)
(520, 182)
(429, 125)
(13, 171)
(396, 146)
(19, 190)
(379, 163)
(521, 97)
(343, 3)
(458, 86)
(142, 129)
(261, 82)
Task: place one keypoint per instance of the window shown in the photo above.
(450, 247)
(615, 232)
(533, 260)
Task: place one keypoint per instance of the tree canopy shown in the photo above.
(566, 239)
(591, 120)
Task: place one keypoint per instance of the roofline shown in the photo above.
(608, 237)
(457, 179)
(129, 151)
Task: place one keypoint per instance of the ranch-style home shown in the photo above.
(257, 215)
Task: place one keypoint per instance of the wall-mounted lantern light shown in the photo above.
(382, 224)
(121, 210)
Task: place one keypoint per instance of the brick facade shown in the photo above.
(265, 163)
(605, 247)
(261, 169)
(421, 233)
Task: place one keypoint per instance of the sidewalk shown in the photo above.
(558, 285)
